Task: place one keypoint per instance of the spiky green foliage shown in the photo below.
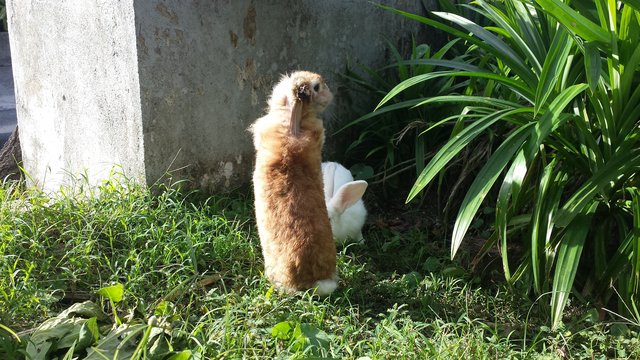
(388, 144)
(564, 81)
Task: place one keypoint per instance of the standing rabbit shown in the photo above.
(343, 196)
(293, 224)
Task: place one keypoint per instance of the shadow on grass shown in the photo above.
(398, 269)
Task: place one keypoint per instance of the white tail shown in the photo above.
(326, 287)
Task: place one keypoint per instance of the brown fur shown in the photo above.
(291, 214)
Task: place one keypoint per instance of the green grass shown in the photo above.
(191, 267)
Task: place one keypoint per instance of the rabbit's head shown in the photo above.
(302, 91)
(311, 90)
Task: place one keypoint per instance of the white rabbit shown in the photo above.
(343, 196)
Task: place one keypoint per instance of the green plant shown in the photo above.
(82, 330)
(10, 343)
(389, 142)
(566, 87)
(3, 16)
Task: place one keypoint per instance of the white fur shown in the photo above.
(326, 287)
(343, 197)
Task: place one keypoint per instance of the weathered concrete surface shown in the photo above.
(206, 69)
(77, 88)
(159, 85)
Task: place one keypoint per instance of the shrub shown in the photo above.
(563, 81)
(387, 147)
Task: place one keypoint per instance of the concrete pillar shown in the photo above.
(75, 68)
(156, 85)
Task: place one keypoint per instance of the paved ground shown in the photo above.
(7, 96)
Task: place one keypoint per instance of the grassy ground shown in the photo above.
(190, 270)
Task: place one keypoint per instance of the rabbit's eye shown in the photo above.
(316, 87)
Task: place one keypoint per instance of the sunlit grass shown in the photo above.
(191, 266)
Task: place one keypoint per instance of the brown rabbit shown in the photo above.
(293, 224)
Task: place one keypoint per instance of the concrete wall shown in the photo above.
(157, 85)
(77, 89)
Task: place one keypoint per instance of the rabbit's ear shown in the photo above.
(296, 117)
(302, 94)
(348, 194)
(328, 174)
